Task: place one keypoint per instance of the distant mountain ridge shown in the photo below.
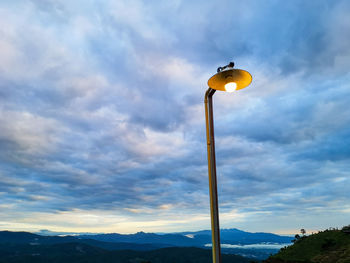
(236, 236)
(19, 238)
(198, 238)
(233, 241)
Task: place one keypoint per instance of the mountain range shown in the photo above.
(234, 241)
(198, 239)
(24, 247)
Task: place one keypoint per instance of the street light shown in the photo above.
(227, 79)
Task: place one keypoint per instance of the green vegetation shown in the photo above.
(329, 246)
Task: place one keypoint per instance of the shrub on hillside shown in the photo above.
(346, 229)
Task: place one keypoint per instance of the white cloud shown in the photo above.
(31, 133)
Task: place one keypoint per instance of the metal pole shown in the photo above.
(214, 209)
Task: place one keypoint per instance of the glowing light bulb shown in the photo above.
(231, 86)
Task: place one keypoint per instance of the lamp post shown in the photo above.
(227, 79)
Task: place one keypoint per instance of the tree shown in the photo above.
(297, 237)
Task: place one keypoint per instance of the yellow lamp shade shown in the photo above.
(230, 80)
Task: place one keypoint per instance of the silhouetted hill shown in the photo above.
(330, 246)
(33, 239)
(78, 253)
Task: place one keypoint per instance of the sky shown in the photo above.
(102, 117)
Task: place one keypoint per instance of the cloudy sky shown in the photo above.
(102, 116)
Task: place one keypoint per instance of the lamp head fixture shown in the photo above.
(230, 79)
